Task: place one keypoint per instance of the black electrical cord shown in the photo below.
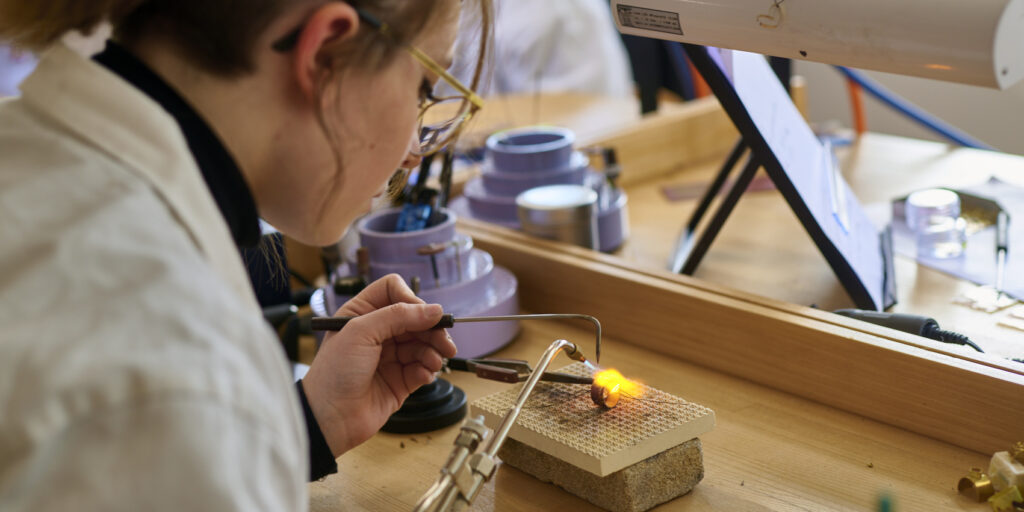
(932, 331)
(911, 324)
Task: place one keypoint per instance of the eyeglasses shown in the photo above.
(441, 119)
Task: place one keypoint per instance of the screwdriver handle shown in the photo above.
(337, 323)
(1002, 231)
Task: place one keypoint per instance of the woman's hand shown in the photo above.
(363, 373)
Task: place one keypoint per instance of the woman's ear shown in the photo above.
(329, 25)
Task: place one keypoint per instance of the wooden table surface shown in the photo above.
(763, 248)
(768, 451)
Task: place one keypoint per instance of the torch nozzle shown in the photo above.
(574, 353)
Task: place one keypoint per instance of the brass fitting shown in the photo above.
(1017, 451)
(976, 485)
(575, 353)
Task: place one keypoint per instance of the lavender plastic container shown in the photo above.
(526, 158)
(468, 284)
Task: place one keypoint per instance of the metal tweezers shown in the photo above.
(510, 370)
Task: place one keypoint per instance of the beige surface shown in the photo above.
(768, 451)
(763, 248)
(563, 421)
(639, 487)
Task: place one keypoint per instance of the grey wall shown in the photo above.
(995, 117)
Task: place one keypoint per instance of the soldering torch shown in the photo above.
(336, 323)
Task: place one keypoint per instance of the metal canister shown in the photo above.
(560, 212)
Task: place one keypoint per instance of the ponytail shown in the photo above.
(35, 24)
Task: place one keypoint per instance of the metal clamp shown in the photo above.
(464, 474)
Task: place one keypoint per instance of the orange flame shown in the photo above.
(612, 380)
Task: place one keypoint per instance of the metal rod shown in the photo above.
(336, 323)
(1002, 247)
(495, 442)
(544, 316)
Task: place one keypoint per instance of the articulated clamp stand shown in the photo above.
(466, 471)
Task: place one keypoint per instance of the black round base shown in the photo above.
(431, 407)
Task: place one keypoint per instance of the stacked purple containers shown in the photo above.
(467, 282)
(521, 159)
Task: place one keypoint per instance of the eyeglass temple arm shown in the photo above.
(446, 76)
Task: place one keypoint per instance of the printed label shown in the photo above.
(649, 19)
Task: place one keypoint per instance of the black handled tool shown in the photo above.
(336, 323)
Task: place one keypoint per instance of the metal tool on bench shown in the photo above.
(510, 370)
(466, 470)
(992, 298)
(1002, 247)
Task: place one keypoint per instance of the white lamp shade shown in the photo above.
(977, 42)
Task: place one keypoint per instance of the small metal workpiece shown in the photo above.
(604, 397)
(976, 486)
(415, 285)
(1017, 451)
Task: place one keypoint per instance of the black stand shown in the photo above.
(691, 247)
(690, 250)
(429, 408)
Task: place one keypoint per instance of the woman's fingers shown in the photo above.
(393, 321)
(418, 353)
(416, 376)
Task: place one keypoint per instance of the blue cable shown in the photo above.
(912, 111)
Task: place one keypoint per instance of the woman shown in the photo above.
(136, 371)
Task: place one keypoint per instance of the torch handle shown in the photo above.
(337, 323)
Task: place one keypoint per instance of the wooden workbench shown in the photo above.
(769, 450)
(780, 444)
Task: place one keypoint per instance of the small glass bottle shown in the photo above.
(933, 215)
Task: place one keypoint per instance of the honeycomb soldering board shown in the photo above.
(561, 420)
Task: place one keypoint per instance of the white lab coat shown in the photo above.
(550, 46)
(136, 371)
